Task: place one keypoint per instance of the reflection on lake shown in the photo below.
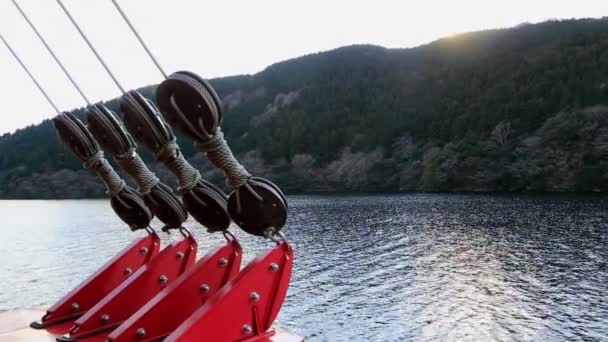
(382, 268)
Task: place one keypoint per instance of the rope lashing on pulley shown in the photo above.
(102, 167)
(127, 204)
(204, 201)
(79, 141)
(191, 105)
(221, 156)
(125, 201)
(170, 155)
(136, 168)
(257, 205)
(73, 133)
(111, 134)
(194, 188)
(142, 120)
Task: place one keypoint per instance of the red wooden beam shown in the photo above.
(167, 310)
(245, 308)
(136, 291)
(102, 282)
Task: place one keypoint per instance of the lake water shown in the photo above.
(371, 268)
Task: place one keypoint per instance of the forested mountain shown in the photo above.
(516, 109)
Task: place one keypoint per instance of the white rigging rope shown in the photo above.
(103, 63)
(48, 48)
(141, 41)
(27, 71)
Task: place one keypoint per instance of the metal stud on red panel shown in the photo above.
(136, 291)
(107, 278)
(245, 308)
(167, 310)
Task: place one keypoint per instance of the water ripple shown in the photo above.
(373, 268)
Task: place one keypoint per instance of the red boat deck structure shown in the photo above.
(14, 327)
(149, 294)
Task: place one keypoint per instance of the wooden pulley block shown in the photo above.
(75, 136)
(208, 92)
(205, 202)
(108, 131)
(274, 186)
(127, 204)
(166, 206)
(131, 208)
(208, 205)
(257, 206)
(111, 134)
(144, 121)
(190, 104)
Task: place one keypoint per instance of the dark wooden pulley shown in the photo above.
(190, 104)
(208, 207)
(113, 137)
(127, 204)
(131, 208)
(144, 121)
(257, 206)
(204, 201)
(108, 131)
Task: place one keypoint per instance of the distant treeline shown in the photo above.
(515, 109)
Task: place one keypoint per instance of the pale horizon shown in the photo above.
(241, 38)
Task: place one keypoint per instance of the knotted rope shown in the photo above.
(136, 168)
(170, 155)
(219, 153)
(110, 178)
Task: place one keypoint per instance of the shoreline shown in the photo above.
(370, 193)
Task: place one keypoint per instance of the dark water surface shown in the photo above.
(372, 268)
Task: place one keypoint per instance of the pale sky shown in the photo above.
(222, 38)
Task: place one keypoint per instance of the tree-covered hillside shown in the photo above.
(515, 109)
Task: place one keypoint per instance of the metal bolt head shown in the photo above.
(223, 262)
(254, 296)
(143, 250)
(180, 255)
(75, 306)
(247, 329)
(205, 288)
(274, 267)
(141, 332)
(127, 271)
(163, 279)
(105, 318)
